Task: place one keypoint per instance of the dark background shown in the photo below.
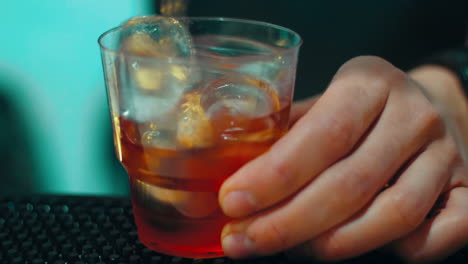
(400, 31)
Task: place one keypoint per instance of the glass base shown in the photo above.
(196, 252)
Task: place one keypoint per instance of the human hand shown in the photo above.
(445, 229)
(322, 190)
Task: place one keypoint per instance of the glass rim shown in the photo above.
(211, 18)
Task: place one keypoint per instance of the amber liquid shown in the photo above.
(175, 192)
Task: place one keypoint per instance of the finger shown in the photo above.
(347, 186)
(450, 101)
(325, 134)
(459, 177)
(300, 108)
(441, 236)
(395, 212)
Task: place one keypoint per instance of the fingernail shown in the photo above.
(238, 203)
(238, 246)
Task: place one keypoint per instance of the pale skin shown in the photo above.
(366, 165)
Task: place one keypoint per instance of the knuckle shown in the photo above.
(331, 249)
(339, 133)
(282, 173)
(430, 118)
(281, 179)
(459, 177)
(363, 62)
(357, 186)
(387, 79)
(407, 214)
(423, 118)
(371, 72)
(270, 237)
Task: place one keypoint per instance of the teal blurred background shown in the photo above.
(54, 126)
(55, 132)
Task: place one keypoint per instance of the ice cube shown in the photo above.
(154, 82)
(239, 95)
(164, 200)
(150, 79)
(194, 128)
(159, 133)
(240, 107)
(157, 36)
(160, 138)
(144, 108)
(190, 204)
(267, 70)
